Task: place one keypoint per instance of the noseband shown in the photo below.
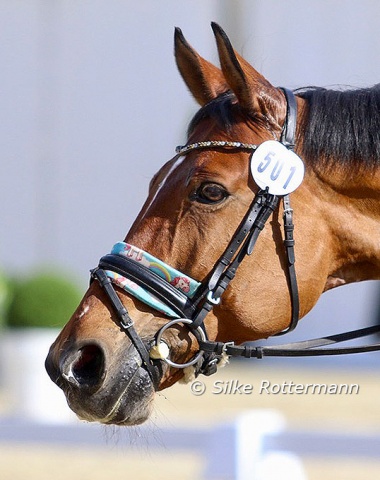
(188, 302)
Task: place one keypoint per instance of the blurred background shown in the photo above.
(91, 106)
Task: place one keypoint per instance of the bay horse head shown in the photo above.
(173, 286)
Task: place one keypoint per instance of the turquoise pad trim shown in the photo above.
(182, 282)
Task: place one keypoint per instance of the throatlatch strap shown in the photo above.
(291, 271)
(288, 139)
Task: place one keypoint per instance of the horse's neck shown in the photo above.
(352, 213)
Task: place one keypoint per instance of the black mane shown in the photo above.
(339, 125)
(342, 125)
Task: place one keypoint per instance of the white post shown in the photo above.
(251, 428)
(237, 450)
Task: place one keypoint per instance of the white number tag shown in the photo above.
(276, 167)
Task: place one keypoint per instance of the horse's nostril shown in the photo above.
(88, 368)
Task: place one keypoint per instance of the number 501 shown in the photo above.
(276, 168)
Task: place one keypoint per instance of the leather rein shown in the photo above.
(191, 310)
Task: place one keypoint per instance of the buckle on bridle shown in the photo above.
(212, 299)
(226, 345)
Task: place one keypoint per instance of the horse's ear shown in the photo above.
(204, 80)
(252, 90)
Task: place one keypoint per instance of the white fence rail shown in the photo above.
(256, 446)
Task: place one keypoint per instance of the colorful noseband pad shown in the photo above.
(178, 280)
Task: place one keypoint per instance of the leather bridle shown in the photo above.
(192, 311)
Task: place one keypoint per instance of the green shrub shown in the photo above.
(6, 289)
(43, 300)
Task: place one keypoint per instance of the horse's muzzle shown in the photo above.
(82, 368)
(118, 392)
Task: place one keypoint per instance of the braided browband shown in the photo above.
(182, 150)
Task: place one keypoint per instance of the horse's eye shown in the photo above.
(210, 193)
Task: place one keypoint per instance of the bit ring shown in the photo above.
(199, 334)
